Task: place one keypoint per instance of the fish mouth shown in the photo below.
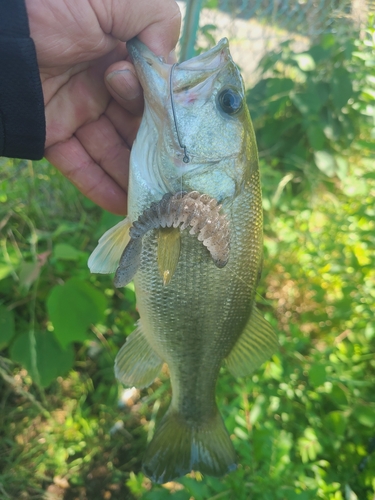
(182, 114)
(154, 72)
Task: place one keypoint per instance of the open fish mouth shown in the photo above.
(204, 64)
(199, 211)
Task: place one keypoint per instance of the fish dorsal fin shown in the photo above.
(256, 344)
(137, 364)
(105, 258)
(169, 247)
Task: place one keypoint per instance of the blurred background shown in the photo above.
(304, 424)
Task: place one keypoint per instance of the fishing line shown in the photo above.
(186, 158)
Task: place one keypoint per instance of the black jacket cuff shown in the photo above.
(22, 121)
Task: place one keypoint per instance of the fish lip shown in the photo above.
(205, 59)
(138, 50)
(143, 56)
(144, 59)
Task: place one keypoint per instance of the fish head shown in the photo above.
(196, 132)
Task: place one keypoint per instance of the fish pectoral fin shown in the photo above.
(105, 258)
(256, 344)
(137, 364)
(178, 447)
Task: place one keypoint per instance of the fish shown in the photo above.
(192, 242)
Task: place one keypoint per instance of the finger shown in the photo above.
(162, 35)
(104, 145)
(157, 23)
(73, 161)
(124, 86)
(125, 123)
(81, 99)
(76, 98)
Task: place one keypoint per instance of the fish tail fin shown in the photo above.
(178, 447)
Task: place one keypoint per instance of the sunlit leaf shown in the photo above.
(72, 307)
(365, 415)
(51, 360)
(336, 422)
(325, 162)
(305, 61)
(317, 374)
(65, 251)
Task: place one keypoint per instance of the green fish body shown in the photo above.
(196, 137)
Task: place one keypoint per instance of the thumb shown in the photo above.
(156, 23)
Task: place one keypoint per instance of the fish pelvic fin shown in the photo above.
(255, 345)
(178, 447)
(105, 258)
(169, 247)
(137, 364)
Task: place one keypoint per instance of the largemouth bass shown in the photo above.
(192, 241)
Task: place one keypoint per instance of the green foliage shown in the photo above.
(41, 355)
(309, 108)
(302, 425)
(72, 308)
(6, 326)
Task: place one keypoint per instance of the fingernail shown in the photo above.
(124, 83)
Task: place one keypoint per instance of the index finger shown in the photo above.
(156, 23)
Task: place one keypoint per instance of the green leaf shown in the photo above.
(325, 162)
(338, 395)
(277, 86)
(308, 445)
(72, 308)
(342, 89)
(5, 270)
(308, 103)
(316, 136)
(365, 415)
(64, 251)
(317, 375)
(29, 272)
(336, 422)
(50, 359)
(197, 489)
(305, 61)
(6, 326)
(369, 175)
(366, 145)
(320, 53)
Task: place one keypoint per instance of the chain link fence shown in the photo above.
(258, 26)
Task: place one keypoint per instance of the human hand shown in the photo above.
(93, 100)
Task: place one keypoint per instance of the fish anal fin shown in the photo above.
(105, 258)
(256, 344)
(178, 447)
(169, 247)
(137, 364)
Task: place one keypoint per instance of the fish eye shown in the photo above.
(230, 101)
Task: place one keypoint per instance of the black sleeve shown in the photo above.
(22, 121)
